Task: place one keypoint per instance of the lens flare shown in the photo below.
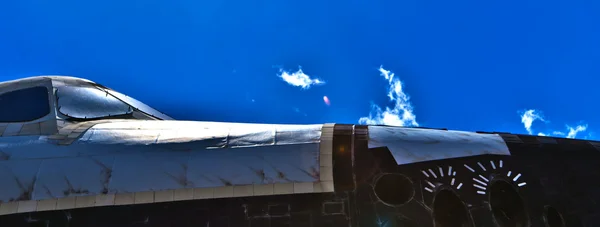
(326, 100)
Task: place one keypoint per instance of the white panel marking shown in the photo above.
(430, 184)
(432, 173)
(517, 177)
(424, 173)
(468, 167)
(480, 182)
(479, 186)
(493, 164)
(480, 165)
(485, 179)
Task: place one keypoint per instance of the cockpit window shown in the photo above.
(89, 103)
(24, 105)
(139, 105)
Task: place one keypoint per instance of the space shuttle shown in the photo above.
(74, 153)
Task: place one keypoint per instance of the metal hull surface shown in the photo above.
(378, 176)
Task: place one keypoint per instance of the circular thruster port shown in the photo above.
(508, 208)
(394, 189)
(449, 210)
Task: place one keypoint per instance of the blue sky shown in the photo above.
(465, 65)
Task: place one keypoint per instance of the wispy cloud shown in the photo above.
(573, 131)
(297, 110)
(401, 114)
(558, 133)
(528, 117)
(299, 78)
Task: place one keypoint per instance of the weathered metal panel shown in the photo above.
(72, 176)
(232, 134)
(139, 156)
(18, 179)
(410, 145)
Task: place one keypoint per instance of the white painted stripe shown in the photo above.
(441, 172)
(432, 173)
(454, 173)
(501, 163)
(449, 170)
(468, 167)
(493, 164)
(509, 172)
(424, 173)
(430, 184)
(326, 152)
(480, 182)
(480, 187)
(480, 165)
(459, 186)
(163, 196)
(522, 184)
(485, 179)
(517, 177)
(27, 206)
(429, 190)
(481, 192)
(452, 182)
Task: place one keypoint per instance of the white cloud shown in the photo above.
(298, 78)
(530, 116)
(402, 112)
(573, 131)
(558, 133)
